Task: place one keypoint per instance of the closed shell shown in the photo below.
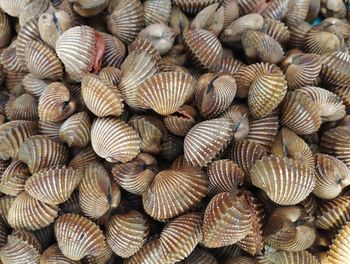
(54, 255)
(14, 8)
(23, 107)
(200, 256)
(322, 42)
(297, 11)
(276, 29)
(211, 18)
(33, 10)
(343, 92)
(14, 178)
(157, 11)
(5, 205)
(50, 129)
(83, 158)
(230, 65)
(239, 114)
(286, 257)
(10, 61)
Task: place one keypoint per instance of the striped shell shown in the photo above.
(336, 68)
(230, 65)
(5, 205)
(50, 129)
(179, 22)
(181, 121)
(14, 178)
(193, 6)
(33, 85)
(343, 92)
(115, 51)
(207, 139)
(111, 75)
(143, 44)
(297, 11)
(241, 260)
(322, 42)
(23, 107)
(157, 11)
(13, 8)
(211, 18)
(33, 10)
(333, 9)
(297, 34)
(152, 252)
(285, 181)
(83, 158)
(276, 29)
(339, 250)
(231, 11)
(286, 257)
(200, 256)
(10, 61)
(239, 114)
(54, 255)
(174, 191)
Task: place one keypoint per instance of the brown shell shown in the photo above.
(227, 219)
(151, 252)
(144, 44)
(83, 158)
(193, 7)
(231, 11)
(286, 257)
(10, 61)
(105, 255)
(339, 250)
(230, 65)
(126, 233)
(157, 11)
(33, 85)
(207, 139)
(276, 29)
(23, 107)
(172, 147)
(169, 195)
(241, 260)
(50, 130)
(111, 74)
(89, 8)
(54, 185)
(297, 11)
(200, 256)
(285, 181)
(29, 213)
(69, 231)
(336, 68)
(33, 10)
(343, 92)
(3, 233)
(115, 51)
(5, 205)
(72, 205)
(54, 255)
(179, 22)
(333, 9)
(14, 178)
(13, 82)
(239, 114)
(181, 121)
(297, 34)
(322, 42)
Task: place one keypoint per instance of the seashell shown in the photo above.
(157, 11)
(171, 188)
(239, 114)
(207, 139)
(111, 74)
(166, 92)
(286, 257)
(84, 157)
(276, 29)
(102, 98)
(13, 82)
(193, 7)
(343, 93)
(13, 8)
(334, 25)
(288, 144)
(285, 181)
(97, 193)
(144, 44)
(314, 9)
(151, 252)
(22, 247)
(180, 236)
(10, 61)
(323, 42)
(54, 255)
(231, 11)
(23, 107)
(205, 49)
(260, 46)
(200, 256)
(123, 146)
(33, 85)
(138, 66)
(179, 163)
(300, 114)
(115, 51)
(3, 165)
(105, 256)
(29, 213)
(13, 134)
(45, 236)
(297, 11)
(14, 178)
(51, 130)
(231, 65)
(55, 103)
(40, 152)
(227, 219)
(211, 18)
(275, 10)
(339, 249)
(3, 233)
(336, 68)
(72, 205)
(81, 50)
(214, 94)
(241, 260)
(181, 121)
(289, 228)
(5, 205)
(54, 185)
(224, 176)
(179, 22)
(126, 20)
(224, 253)
(126, 233)
(69, 231)
(176, 56)
(89, 8)
(33, 10)
(297, 34)
(335, 9)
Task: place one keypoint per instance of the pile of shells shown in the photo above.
(174, 131)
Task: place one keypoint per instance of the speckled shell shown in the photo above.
(171, 188)
(54, 185)
(14, 178)
(181, 121)
(78, 237)
(227, 219)
(115, 51)
(166, 92)
(29, 213)
(123, 146)
(207, 139)
(126, 233)
(193, 7)
(23, 107)
(285, 181)
(33, 85)
(339, 250)
(40, 152)
(157, 11)
(151, 252)
(336, 68)
(53, 255)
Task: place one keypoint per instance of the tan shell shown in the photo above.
(50, 130)
(40, 152)
(343, 92)
(169, 195)
(200, 256)
(193, 7)
(336, 68)
(181, 121)
(230, 65)
(157, 11)
(111, 74)
(5, 205)
(83, 158)
(297, 11)
(276, 29)
(151, 252)
(179, 22)
(10, 61)
(207, 139)
(241, 260)
(14, 178)
(72, 205)
(106, 255)
(333, 9)
(286, 257)
(3, 233)
(13, 82)
(126, 233)
(227, 219)
(115, 51)
(54, 255)
(23, 107)
(29, 213)
(54, 185)
(211, 18)
(297, 34)
(339, 250)
(69, 231)
(322, 42)
(33, 85)
(33, 10)
(123, 146)
(14, 8)
(89, 8)
(239, 114)
(285, 181)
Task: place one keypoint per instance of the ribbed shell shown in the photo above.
(157, 11)
(239, 114)
(10, 61)
(126, 20)
(114, 140)
(111, 75)
(174, 191)
(126, 233)
(211, 18)
(300, 114)
(12, 135)
(78, 237)
(53, 255)
(151, 252)
(227, 219)
(33, 85)
(285, 257)
(54, 185)
(14, 178)
(165, 92)
(285, 181)
(276, 9)
(3, 233)
(180, 236)
(297, 34)
(200, 256)
(193, 6)
(297, 11)
(144, 44)
(181, 121)
(42, 61)
(33, 10)
(29, 213)
(230, 65)
(339, 250)
(14, 7)
(5, 205)
(83, 158)
(115, 51)
(106, 255)
(40, 152)
(343, 92)
(241, 260)
(276, 29)
(23, 107)
(336, 68)
(50, 130)
(322, 42)
(13, 82)
(72, 205)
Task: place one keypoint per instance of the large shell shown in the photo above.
(157, 11)
(170, 195)
(53, 255)
(152, 252)
(285, 181)
(339, 250)
(123, 146)
(29, 213)
(322, 42)
(181, 121)
(336, 68)
(115, 51)
(14, 178)
(23, 107)
(166, 92)
(193, 7)
(54, 185)
(78, 237)
(33, 85)
(126, 233)
(207, 139)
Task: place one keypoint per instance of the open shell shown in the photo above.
(181, 121)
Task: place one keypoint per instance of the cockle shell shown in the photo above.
(193, 7)
(231, 11)
(179, 22)
(276, 29)
(33, 85)
(89, 8)
(105, 255)
(151, 252)
(50, 129)
(297, 34)
(239, 114)
(44, 235)
(3, 233)
(72, 205)
(10, 61)
(334, 8)
(230, 65)
(297, 11)
(5, 205)
(83, 158)
(286, 257)
(211, 18)
(54, 255)
(336, 68)
(339, 250)
(157, 11)
(14, 178)
(323, 42)
(33, 10)
(343, 92)
(241, 260)
(111, 74)
(181, 121)
(13, 8)
(23, 107)
(276, 9)
(200, 256)
(115, 51)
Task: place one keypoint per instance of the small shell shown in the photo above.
(124, 144)
(115, 51)
(227, 219)
(297, 34)
(169, 195)
(200, 256)
(40, 152)
(78, 237)
(151, 252)
(194, 6)
(23, 107)
(300, 114)
(339, 250)
(157, 11)
(126, 233)
(285, 181)
(322, 42)
(297, 11)
(83, 158)
(207, 139)
(180, 122)
(211, 18)
(53, 255)
(33, 10)
(336, 68)
(5, 205)
(126, 20)
(111, 74)
(33, 85)
(276, 29)
(14, 178)
(54, 185)
(14, 8)
(29, 213)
